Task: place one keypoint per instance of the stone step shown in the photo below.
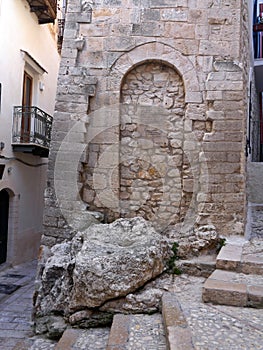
(137, 332)
(240, 258)
(235, 289)
(201, 266)
(178, 333)
(88, 339)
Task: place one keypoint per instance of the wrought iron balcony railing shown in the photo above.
(31, 130)
(46, 10)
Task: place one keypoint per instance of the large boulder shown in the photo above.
(104, 263)
(115, 260)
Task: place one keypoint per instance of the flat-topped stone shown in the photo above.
(224, 293)
(229, 257)
(68, 339)
(244, 257)
(255, 296)
(251, 264)
(119, 334)
(252, 257)
(232, 288)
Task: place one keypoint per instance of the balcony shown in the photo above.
(31, 130)
(46, 10)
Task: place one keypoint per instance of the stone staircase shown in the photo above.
(168, 330)
(238, 278)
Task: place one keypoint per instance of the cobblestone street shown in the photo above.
(217, 326)
(16, 292)
(213, 327)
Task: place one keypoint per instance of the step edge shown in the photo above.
(120, 323)
(172, 327)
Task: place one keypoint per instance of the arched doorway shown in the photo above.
(4, 213)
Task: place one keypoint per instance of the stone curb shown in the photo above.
(68, 339)
(178, 333)
(119, 333)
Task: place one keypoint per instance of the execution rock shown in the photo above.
(115, 260)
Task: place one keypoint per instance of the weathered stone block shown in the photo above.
(225, 293)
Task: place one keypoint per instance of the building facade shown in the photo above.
(29, 63)
(151, 115)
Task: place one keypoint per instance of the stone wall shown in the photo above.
(152, 160)
(189, 133)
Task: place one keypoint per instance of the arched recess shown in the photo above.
(152, 130)
(184, 69)
(8, 223)
(174, 185)
(157, 51)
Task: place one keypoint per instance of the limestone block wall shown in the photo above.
(151, 114)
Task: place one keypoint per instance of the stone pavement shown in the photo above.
(16, 292)
(212, 327)
(217, 327)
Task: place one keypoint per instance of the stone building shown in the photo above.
(151, 116)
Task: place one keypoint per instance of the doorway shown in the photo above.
(26, 112)
(4, 214)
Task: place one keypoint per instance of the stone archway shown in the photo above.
(155, 51)
(4, 218)
(9, 208)
(106, 170)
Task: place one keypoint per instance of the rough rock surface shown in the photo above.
(116, 259)
(199, 240)
(103, 263)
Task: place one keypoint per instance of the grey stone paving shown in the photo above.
(217, 327)
(16, 308)
(93, 339)
(147, 333)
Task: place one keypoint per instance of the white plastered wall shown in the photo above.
(19, 30)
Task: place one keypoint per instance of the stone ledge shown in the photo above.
(255, 296)
(224, 293)
(229, 257)
(232, 258)
(178, 334)
(201, 266)
(251, 264)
